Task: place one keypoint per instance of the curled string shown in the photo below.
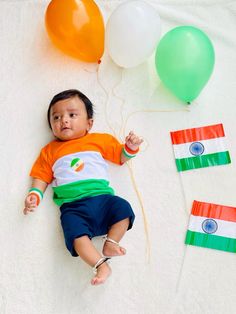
(129, 164)
(121, 135)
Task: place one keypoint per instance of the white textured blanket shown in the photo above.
(159, 274)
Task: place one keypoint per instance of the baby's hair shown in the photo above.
(69, 93)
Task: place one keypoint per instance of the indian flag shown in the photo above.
(200, 147)
(212, 226)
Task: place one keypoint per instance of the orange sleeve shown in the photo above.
(42, 168)
(112, 149)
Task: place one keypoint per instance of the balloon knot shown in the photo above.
(188, 102)
(99, 61)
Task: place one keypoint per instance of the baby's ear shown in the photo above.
(90, 124)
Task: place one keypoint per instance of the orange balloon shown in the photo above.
(77, 28)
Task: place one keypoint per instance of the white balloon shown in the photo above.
(132, 33)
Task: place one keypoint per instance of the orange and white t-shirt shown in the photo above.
(78, 168)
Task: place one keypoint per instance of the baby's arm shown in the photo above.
(132, 143)
(32, 200)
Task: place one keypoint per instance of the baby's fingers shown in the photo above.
(140, 140)
(136, 139)
(28, 209)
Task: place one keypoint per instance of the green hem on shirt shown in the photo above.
(71, 192)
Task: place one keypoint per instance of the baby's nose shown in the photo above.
(65, 119)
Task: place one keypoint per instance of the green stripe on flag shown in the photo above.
(211, 241)
(215, 159)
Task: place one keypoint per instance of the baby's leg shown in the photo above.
(116, 233)
(86, 250)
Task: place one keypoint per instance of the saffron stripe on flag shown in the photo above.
(214, 211)
(211, 241)
(197, 134)
(215, 145)
(202, 161)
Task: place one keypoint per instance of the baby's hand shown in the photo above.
(30, 204)
(133, 141)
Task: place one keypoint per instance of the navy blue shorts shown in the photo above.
(93, 216)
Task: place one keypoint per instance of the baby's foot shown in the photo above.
(113, 249)
(103, 272)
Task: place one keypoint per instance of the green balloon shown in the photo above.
(184, 61)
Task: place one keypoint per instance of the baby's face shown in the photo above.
(69, 119)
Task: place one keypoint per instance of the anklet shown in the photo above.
(99, 263)
(111, 240)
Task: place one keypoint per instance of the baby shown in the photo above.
(75, 164)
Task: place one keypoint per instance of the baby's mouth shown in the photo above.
(65, 128)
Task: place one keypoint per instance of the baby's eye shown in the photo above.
(73, 115)
(55, 118)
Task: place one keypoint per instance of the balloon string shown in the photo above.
(129, 164)
(86, 70)
(140, 200)
(145, 222)
(130, 168)
(131, 172)
(113, 131)
(121, 134)
(150, 111)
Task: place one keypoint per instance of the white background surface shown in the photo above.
(38, 276)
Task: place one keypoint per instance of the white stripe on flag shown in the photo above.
(211, 146)
(224, 229)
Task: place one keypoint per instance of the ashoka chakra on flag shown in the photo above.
(200, 147)
(212, 226)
